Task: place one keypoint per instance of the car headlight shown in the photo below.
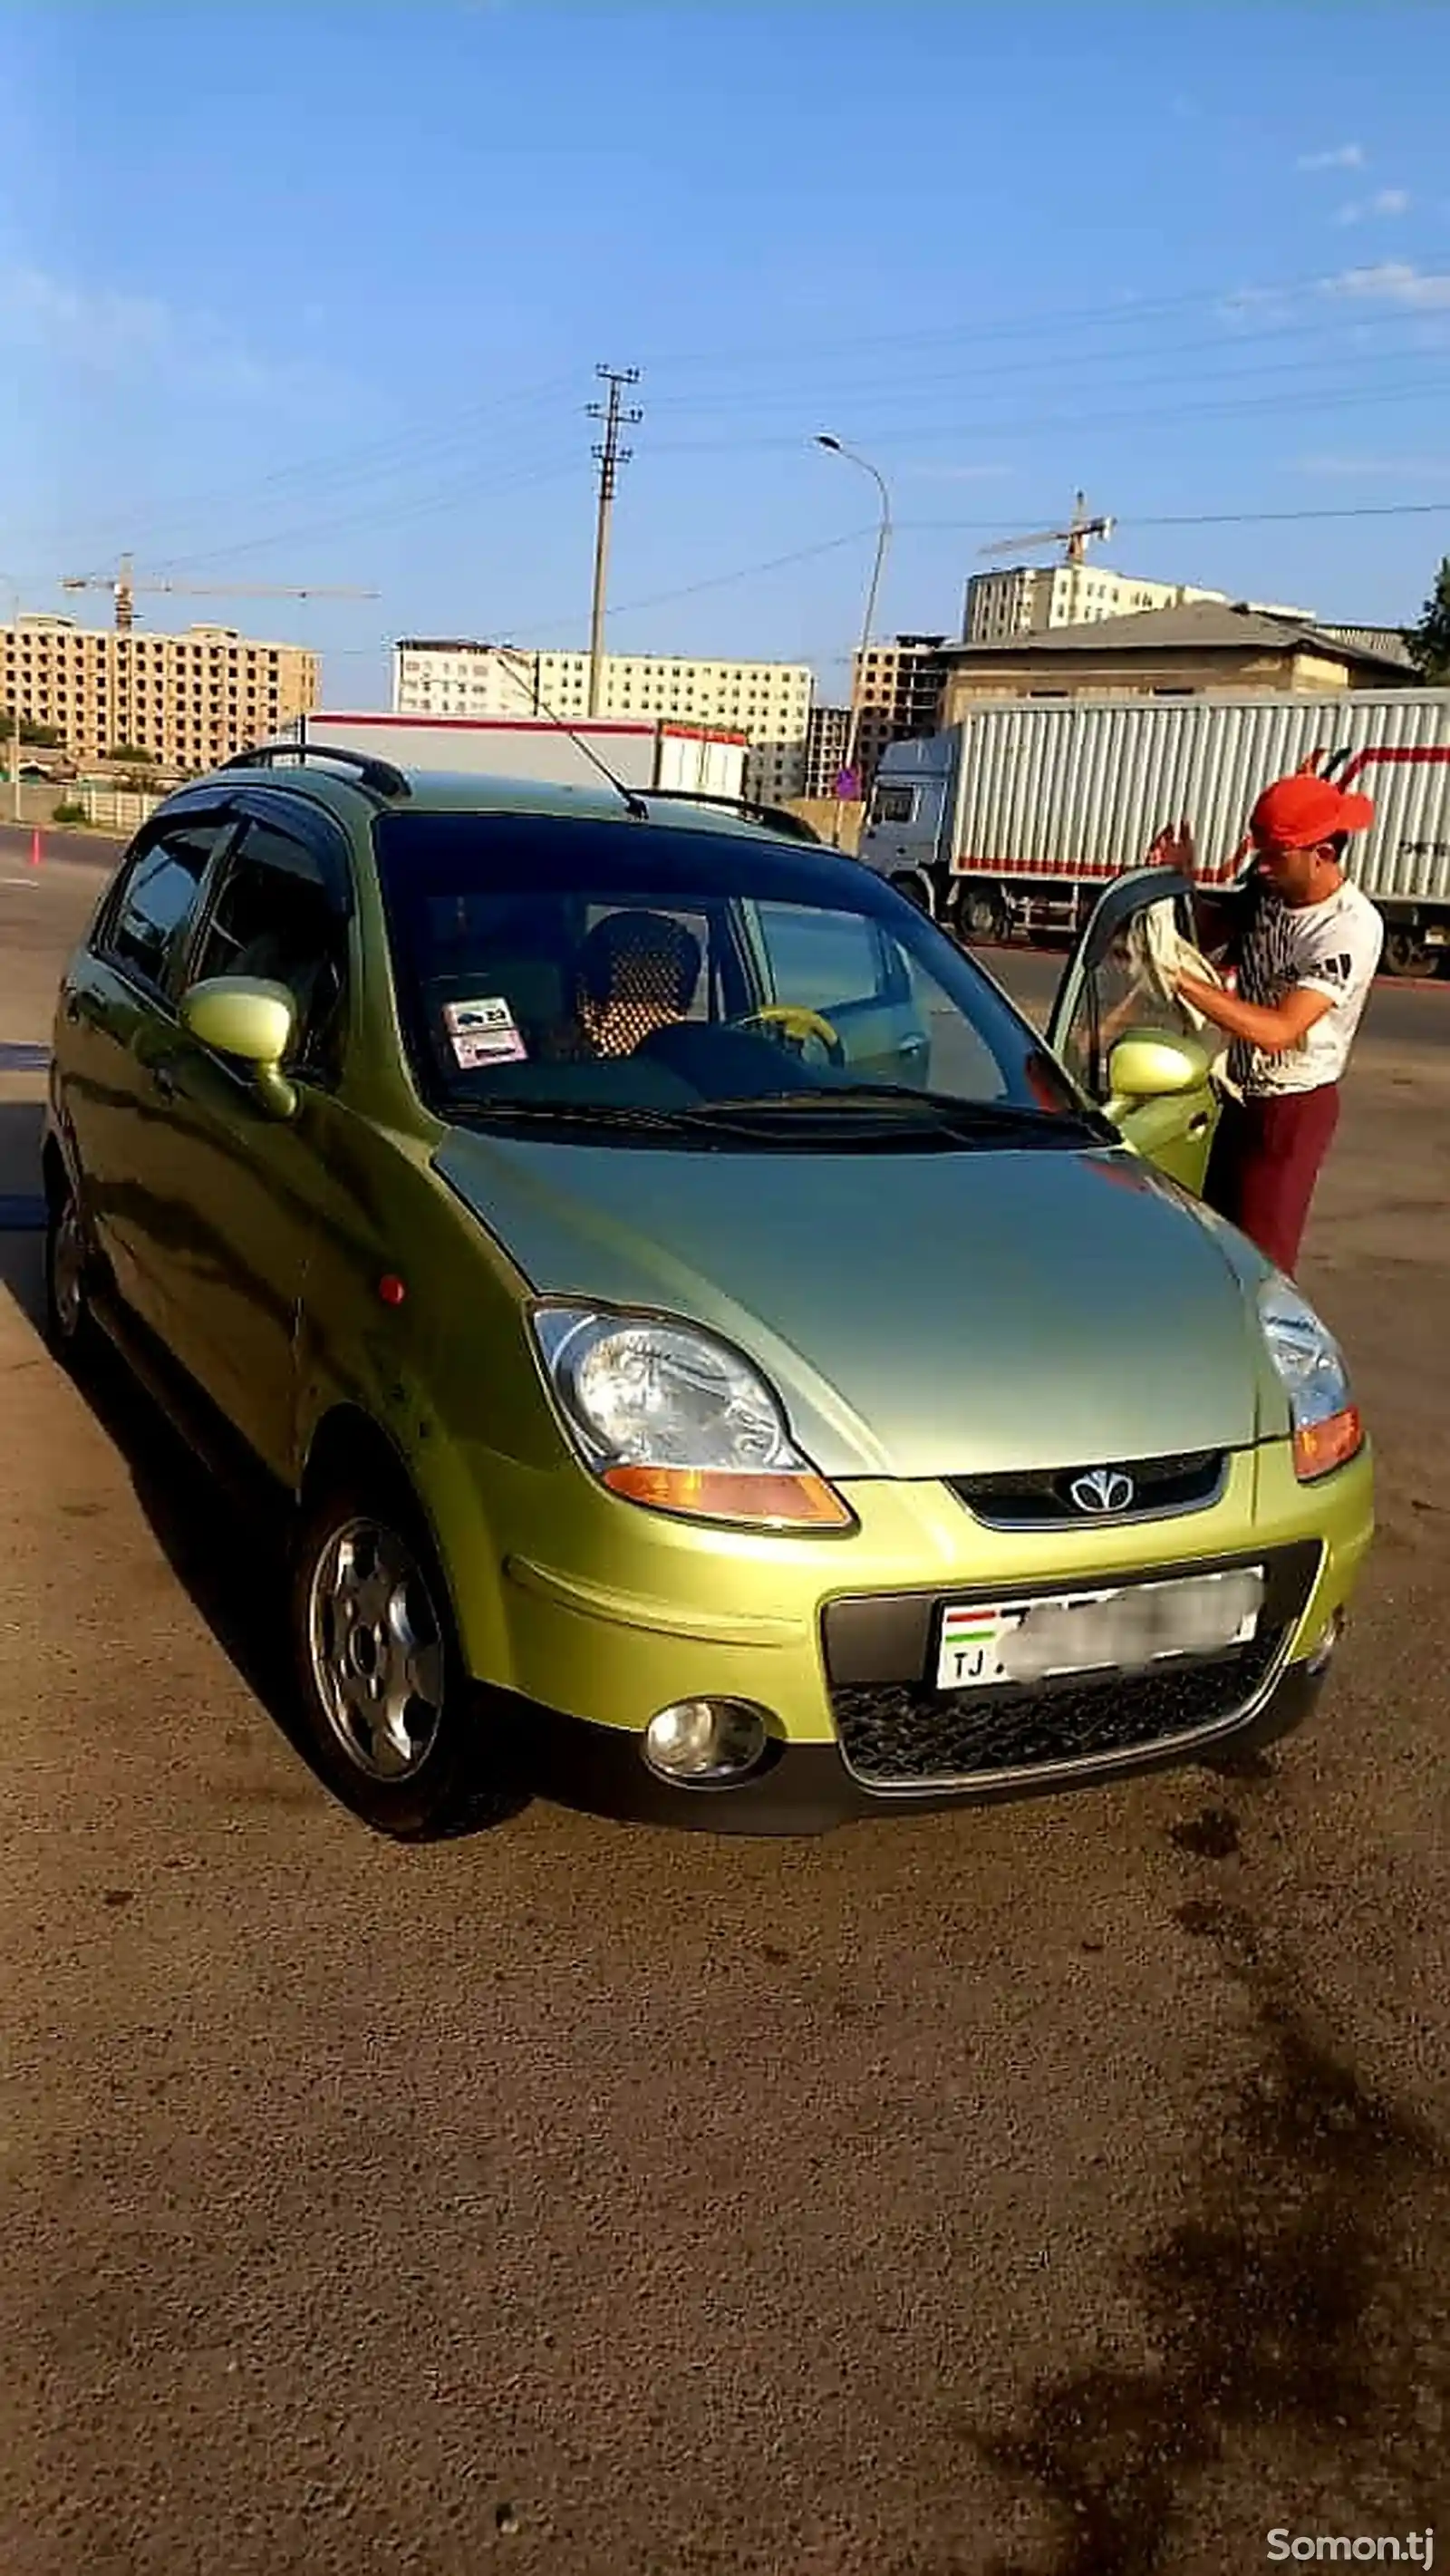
(1325, 1418)
(664, 1414)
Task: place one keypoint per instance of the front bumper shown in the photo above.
(808, 1788)
(834, 1639)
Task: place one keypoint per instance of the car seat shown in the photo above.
(637, 972)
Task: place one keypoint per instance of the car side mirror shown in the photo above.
(1154, 1064)
(253, 1022)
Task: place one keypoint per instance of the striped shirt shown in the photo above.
(1331, 947)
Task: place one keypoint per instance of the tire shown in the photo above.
(1405, 952)
(69, 1269)
(979, 914)
(392, 1718)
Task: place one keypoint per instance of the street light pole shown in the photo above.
(883, 540)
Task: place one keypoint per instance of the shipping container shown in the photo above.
(686, 759)
(1017, 816)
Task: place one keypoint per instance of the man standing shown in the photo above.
(1306, 963)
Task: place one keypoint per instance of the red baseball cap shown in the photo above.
(1298, 813)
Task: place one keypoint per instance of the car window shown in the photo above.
(541, 962)
(841, 958)
(155, 903)
(1121, 990)
(273, 919)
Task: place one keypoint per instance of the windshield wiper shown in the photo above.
(618, 1115)
(940, 1110)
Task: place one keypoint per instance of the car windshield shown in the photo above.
(649, 980)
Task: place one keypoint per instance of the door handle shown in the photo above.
(1199, 1126)
(165, 1081)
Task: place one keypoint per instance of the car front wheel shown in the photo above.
(67, 1274)
(392, 1717)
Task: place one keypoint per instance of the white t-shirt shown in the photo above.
(1331, 947)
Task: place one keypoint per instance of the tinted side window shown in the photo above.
(157, 899)
(817, 958)
(272, 918)
(1122, 988)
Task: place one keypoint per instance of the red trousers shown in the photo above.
(1265, 1161)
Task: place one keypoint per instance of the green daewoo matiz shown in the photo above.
(715, 1362)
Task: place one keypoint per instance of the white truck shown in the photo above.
(1017, 817)
(683, 760)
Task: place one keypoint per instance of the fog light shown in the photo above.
(705, 1740)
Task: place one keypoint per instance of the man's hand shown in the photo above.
(1273, 1027)
(1173, 848)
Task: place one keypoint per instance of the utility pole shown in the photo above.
(609, 456)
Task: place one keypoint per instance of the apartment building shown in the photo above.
(187, 701)
(769, 702)
(897, 688)
(826, 740)
(1030, 598)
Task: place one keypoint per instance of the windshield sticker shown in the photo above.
(481, 1033)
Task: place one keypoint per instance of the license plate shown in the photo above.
(1090, 1632)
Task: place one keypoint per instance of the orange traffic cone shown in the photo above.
(35, 847)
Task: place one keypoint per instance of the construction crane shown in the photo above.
(1073, 539)
(123, 587)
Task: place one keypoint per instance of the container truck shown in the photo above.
(642, 752)
(1015, 818)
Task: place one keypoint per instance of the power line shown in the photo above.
(1227, 518)
(721, 580)
(1346, 398)
(1053, 322)
(422, 442)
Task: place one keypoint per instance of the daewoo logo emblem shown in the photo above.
(1103, 1489)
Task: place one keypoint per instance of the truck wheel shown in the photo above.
(1405, 952)
(980, 914)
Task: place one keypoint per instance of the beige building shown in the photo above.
(186, 701)
(1166, 653)
(1030, 598)
(826, 741)
(897, 689)
(769, 702)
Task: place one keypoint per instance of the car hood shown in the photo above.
(919, 1314)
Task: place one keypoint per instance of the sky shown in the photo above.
(315, 294)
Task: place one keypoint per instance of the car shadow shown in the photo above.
(228, 1555)
(228, 1552)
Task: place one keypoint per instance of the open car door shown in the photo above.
(1107, 991)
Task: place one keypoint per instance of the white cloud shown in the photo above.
(108, 329)
(112, 334)
(1341, 156)
(1394, 281)
(1385, 201)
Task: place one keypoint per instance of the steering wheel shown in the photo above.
(798, 1021)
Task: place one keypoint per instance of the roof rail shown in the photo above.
(779, 817)
(379, 775)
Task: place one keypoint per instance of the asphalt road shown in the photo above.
(1056, 2191)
